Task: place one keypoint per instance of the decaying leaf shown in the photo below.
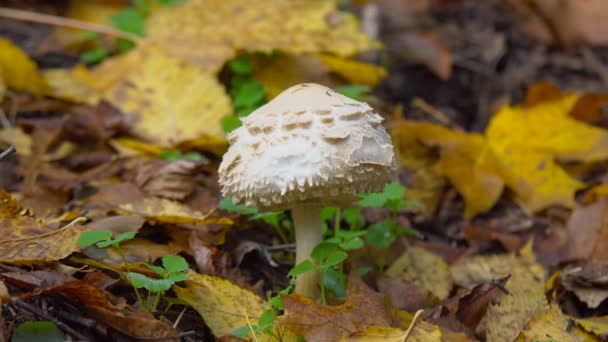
(422, 331)
(550, 325)
(519, 149)
(175, 180)
(24, 239)
(377, 334)
(414, 265)
(587, 232)
(363, 308)
(595, 325)
(588, 282)
(139, 325)
(17, 70)
(223, 305)
(223, 27)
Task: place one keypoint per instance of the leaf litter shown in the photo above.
(130, 145)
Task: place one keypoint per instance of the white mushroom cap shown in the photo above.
(308, 145)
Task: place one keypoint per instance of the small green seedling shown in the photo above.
(171, 272)
(174, 155)
(277, 219)
(266, 321)
(246, 93)
(103, 239)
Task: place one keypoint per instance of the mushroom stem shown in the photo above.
(309, 233)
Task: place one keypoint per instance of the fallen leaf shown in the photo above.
(354, 71)
(550, 324)
(588, 282)
(138, 325)
(414, 265)
(223, 27)
(473, 306)
(422, 331)
(223, 305)
(16, 137)
(363, 308)
(174, 180)
(587, 229)
(526, 298)
(595, 325)
(377, 334)
(519, 148)
(24, 239)
(425, 48)
(17, 70)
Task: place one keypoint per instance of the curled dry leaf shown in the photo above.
(363, 308)
(223, 305)
(175, 180)
(587, 282)
(25, 239)
(526, 298)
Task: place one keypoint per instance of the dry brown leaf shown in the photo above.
(25, 239)
(138, 325)
(425, 48)
(174, 180)
(362, 308)
(526, 298)
(588, 282)
(223, 305)
(414, 265)
(224, 26)
(587, 232)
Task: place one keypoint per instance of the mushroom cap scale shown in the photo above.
(309, 145)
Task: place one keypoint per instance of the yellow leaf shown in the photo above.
(170, 101)
(279, 72)
(526, 298)
(168, 211)
(519, 149)
(376, 334)
(16, 137)
(354, 71)
(414, 265)
(221, 27)
(223, 305)
(2, 86)
(422, 331)
(594, 325)
(25, 239)
(18, 70)
(548, 325)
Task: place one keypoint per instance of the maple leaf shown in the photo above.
(363, 308)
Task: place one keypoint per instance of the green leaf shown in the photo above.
(301, 268)
(266, 318)
(361, 271)
(241, 65)
(40, 331)
(408, 231)
(335, 282)
(177, 277)
(354, 91)
(352, 244)
(381, 234)
(161, 271)
(334, 258)
(94, 56)
(129, 20)
(272, 218)
(228, 205)
(248, 94)
(323, 250)
(394, 191)
(276, 302)
(87, 239)
(353, 218)
(153, 285)
(241, 332)
(174, 263)
(230, 123)
(124, 237)
(375, 200)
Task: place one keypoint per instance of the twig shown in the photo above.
(42, 314)
(595, 64)
(427, 108)
(179, 318)
(286, 246)
(66, 22)
(411, 327)
(7, 152)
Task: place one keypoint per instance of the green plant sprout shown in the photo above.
(276, 219)
(246, 93)
(175, 155)
(171, 271)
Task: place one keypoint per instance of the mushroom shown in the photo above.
(308, 148)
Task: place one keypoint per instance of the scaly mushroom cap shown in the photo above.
(308, 145)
